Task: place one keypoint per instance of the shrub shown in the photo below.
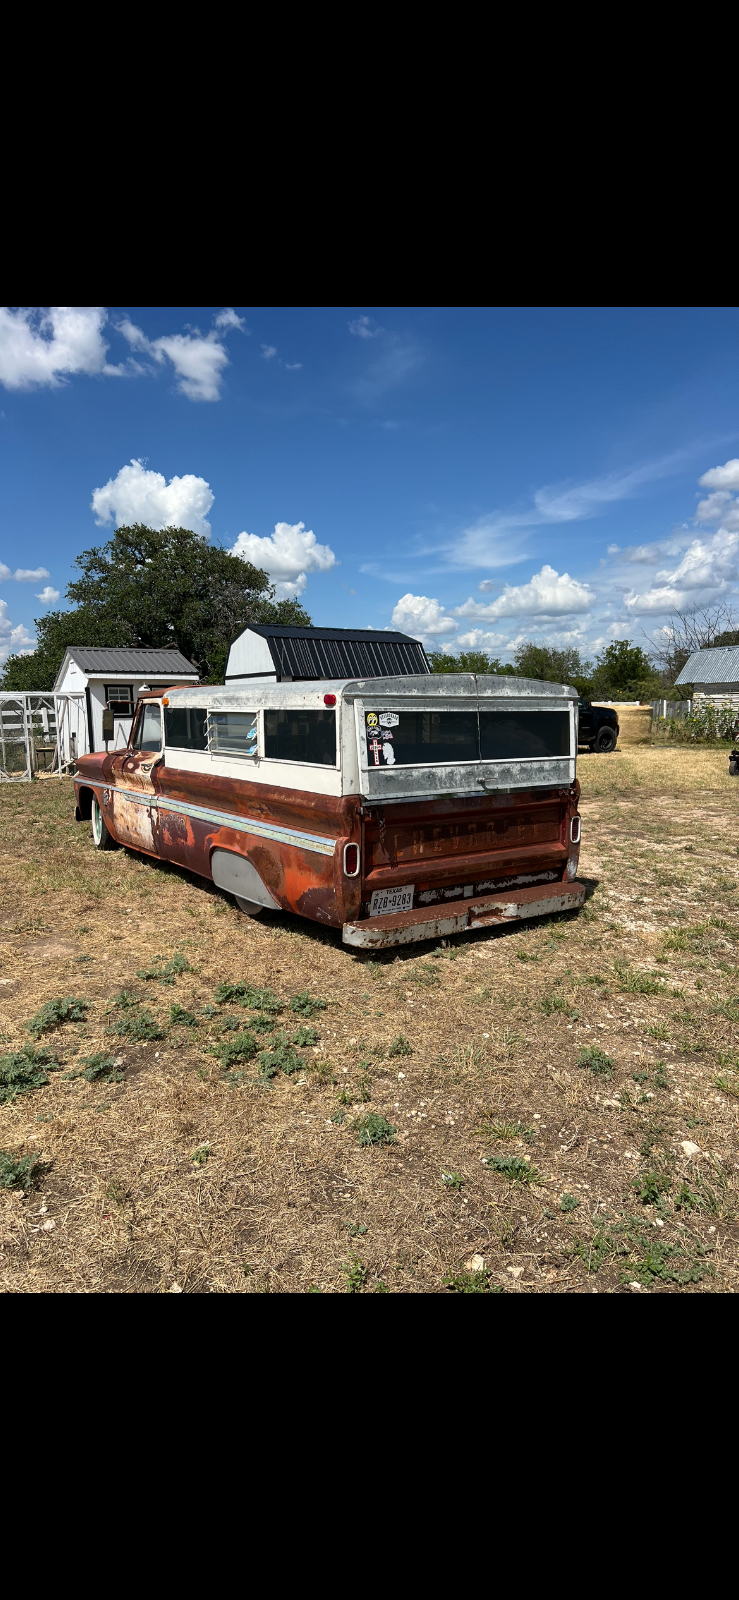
(138, 1025)
(514, 1167)
(400, 1047)
(20, 1173)
(55, 1012)
(307, 1005)
(24, 1070)
(374, 1129)
(165, 971)
(599, 1063)
(101, 1066)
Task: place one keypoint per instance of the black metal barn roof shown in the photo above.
(341, 652)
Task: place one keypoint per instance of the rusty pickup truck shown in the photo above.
(393, 809)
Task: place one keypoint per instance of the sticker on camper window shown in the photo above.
(389, 719)
(371, 719)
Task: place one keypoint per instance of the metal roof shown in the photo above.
(712, 666)
(341, 652)
(156, 662)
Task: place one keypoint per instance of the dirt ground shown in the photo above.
(564, 1094)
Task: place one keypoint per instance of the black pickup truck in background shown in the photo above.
(598, 727)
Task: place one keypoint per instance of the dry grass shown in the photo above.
(282, 1197)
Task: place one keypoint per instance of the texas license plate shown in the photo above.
(385, 900)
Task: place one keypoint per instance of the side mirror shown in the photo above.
(108, 724)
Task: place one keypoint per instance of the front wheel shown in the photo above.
(250, 908)
(101, 838)
(605, 740)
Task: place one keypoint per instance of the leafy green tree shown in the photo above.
(55, 633)
(624, 672)
(552, 666)
(153, 590)
(466, 661)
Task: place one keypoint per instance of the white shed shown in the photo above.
(715, 673)
(113, 678)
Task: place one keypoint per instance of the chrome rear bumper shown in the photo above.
(460, 916)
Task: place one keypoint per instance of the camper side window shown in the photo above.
(185, 728)
(232, 733)
(298, 735)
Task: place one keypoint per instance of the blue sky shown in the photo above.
(472, 476)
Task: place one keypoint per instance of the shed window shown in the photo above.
(185, 728)
(232, 733)
(119, 697)
(298, 735)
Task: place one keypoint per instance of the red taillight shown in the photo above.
(329, 699)
(351, 860)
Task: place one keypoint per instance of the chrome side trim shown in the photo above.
(224, 819)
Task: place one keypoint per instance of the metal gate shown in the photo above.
(40, 733)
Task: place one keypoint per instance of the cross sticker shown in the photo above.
(375, 747)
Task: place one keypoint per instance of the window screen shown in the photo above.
(148, 732)
(233, 733)
(407, 738)
(295, 735)
(184, 728)
(515, 735)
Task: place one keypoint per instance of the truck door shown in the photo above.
(585, 732)
(134, 795)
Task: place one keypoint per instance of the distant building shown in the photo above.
(277, 653)
(715, 674)
(112, 678)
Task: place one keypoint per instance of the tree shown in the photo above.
(156, 590)
(624, 672)
(552, 666)
(55, 632)
(685, 632)
(466, 661)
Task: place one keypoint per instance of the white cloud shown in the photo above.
(707, 570)
(268, 351)
(48, 595)
(725, 477)
(13, 638)
(288, 555)
(228, 319)
(293, 366)
(362, 329)
(547, 594)
(423, 618)
(137, 494)
(45, 347)
(198, 359)
(478, 639)
(30, 574)
(5, 572)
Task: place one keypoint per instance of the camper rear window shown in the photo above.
(517, 735)
(184, 728)
(407, 738)
(295, 735)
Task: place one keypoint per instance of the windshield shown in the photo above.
(147, 733)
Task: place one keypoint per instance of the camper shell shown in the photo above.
(393, 809)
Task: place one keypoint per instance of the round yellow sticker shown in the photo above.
(371, 719)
